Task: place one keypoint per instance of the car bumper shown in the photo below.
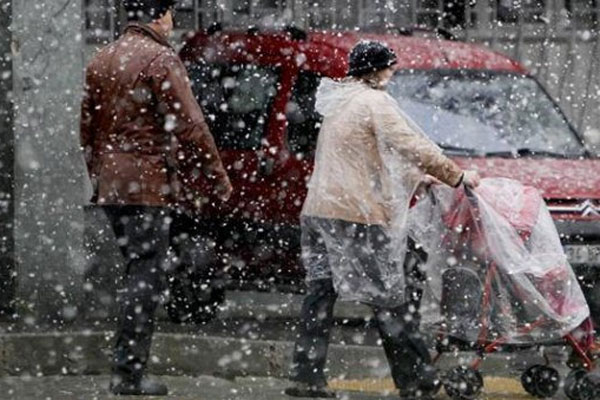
(581, 240)
(573, 231)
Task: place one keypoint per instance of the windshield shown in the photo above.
(484, 112)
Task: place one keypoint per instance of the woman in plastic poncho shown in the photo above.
(370, 160)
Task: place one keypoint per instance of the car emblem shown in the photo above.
(589, 209)
(586, 209)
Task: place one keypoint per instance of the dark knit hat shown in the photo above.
(370, 56)
(147, 10)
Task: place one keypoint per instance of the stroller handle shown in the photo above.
(469, 193)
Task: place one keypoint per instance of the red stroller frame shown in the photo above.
(465, 382)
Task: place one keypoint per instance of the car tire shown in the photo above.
(193, 301)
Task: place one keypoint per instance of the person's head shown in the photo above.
(155, 12)
(372, 63)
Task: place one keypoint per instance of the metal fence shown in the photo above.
(558, 40)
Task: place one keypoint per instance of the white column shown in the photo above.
(48, 70)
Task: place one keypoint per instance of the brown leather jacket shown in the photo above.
(143, 134)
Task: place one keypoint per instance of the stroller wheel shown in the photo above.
(463, 383)
(578, 386)
(528, 379)
(540, 381)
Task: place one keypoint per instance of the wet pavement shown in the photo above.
(251, 340)
(212, 388)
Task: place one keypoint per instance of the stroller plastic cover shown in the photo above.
(496, 264)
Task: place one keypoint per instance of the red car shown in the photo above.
(257, 90)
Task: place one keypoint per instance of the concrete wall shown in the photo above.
(48, 70)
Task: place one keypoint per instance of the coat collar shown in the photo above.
(147, 31)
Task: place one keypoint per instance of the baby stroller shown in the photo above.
(505, 284)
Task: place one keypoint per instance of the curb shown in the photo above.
(87, 352)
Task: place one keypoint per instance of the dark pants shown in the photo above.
(404, 347)
(143, 237)
(398, 327)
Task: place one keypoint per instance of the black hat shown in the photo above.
(370, 56)
(147, 10)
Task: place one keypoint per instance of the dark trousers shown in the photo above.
(143, 237)
(404, 347)
(398, 327)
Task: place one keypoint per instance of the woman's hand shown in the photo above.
(471, 179)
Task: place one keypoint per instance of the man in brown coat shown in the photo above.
(140, 128)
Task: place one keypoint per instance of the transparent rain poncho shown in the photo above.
(496, 264)
(354, 217)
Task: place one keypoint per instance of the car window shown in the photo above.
(484, 111)
(236, 100)
(303, 122)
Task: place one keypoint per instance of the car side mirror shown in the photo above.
(591, 140)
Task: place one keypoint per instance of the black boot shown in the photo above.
(143, 387)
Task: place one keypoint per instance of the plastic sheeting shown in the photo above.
(496, 264)
(363, 261)
(366, 171)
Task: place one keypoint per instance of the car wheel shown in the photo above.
(193, 300)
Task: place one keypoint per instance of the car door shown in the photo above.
(303, 125)
(237, 100)
(289, 160)
(243, 106)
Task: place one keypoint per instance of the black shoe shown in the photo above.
(145, 387)
(306, 390)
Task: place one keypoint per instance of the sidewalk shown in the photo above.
(251, 342)
(88, 353)
(211, 388)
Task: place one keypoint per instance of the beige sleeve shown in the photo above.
(394, 131)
